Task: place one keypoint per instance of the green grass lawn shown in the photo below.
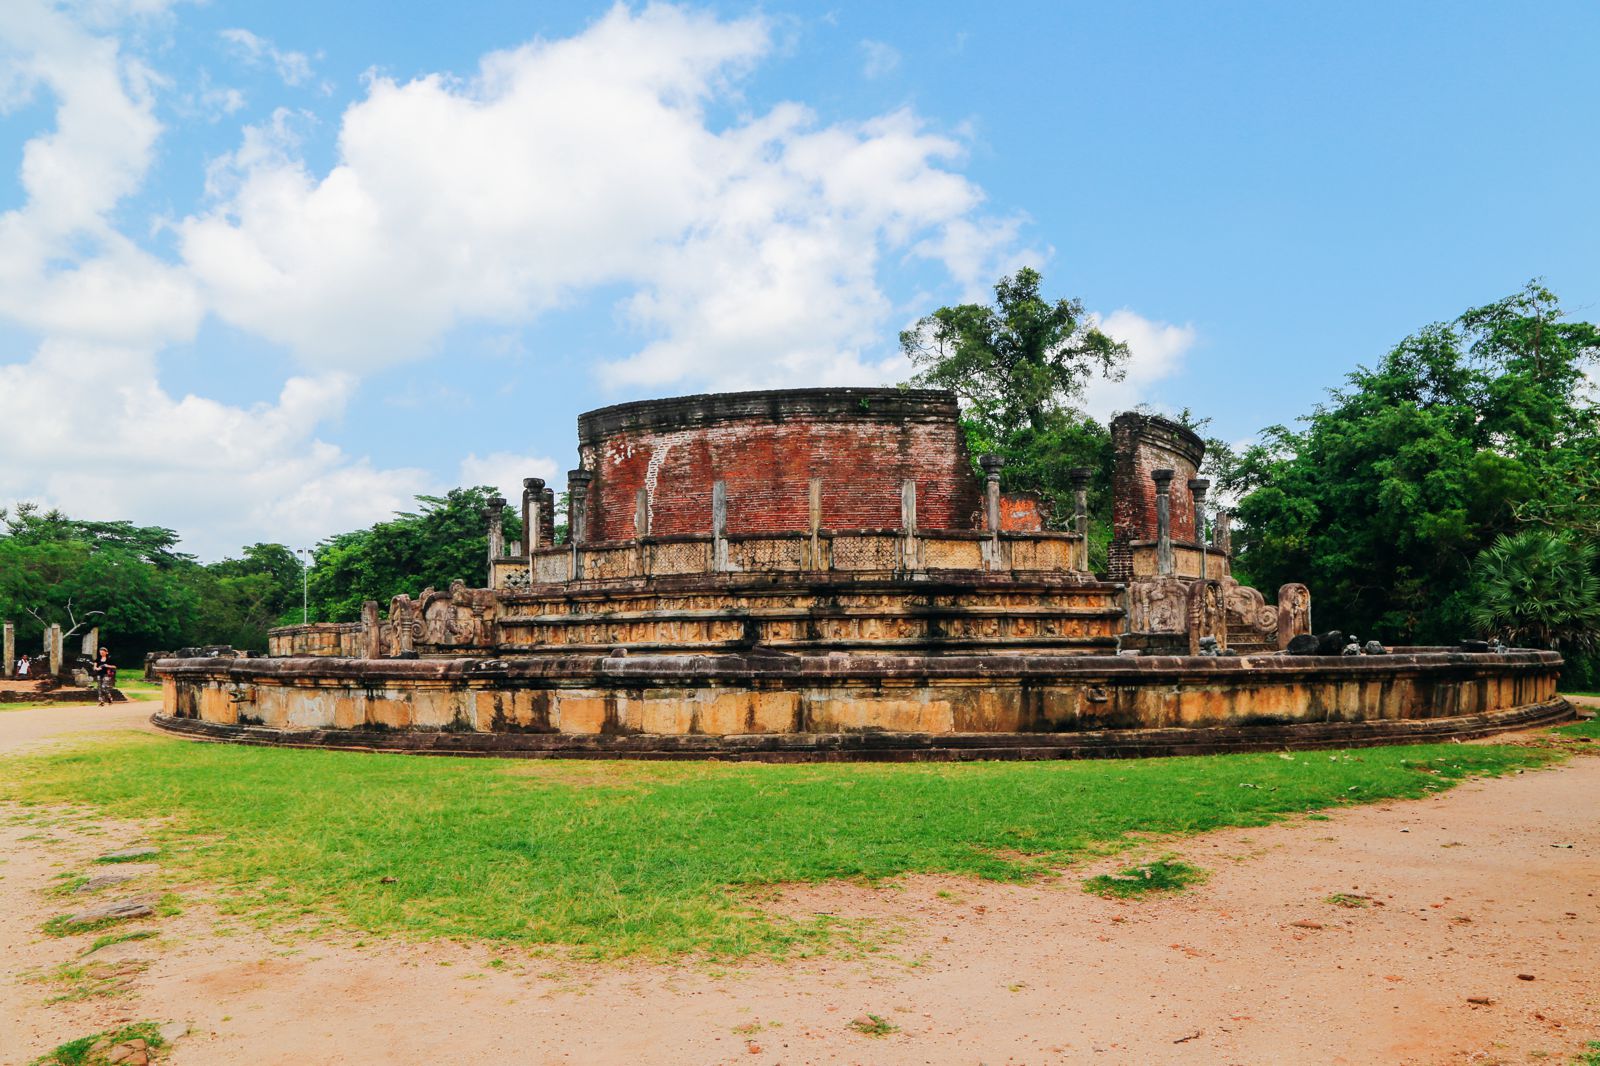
(660, 858)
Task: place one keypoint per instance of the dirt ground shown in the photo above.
(1468, 892)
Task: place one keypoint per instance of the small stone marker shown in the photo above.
(129, 854)
(119, 911)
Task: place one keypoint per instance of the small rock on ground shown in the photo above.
(118, 910)
(95, 884)
(129, 1053)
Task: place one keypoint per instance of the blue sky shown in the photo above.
(269, 269)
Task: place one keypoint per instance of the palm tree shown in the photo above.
(1540, 588)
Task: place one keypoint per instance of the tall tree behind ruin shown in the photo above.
(1464, 431)
(1019, 368)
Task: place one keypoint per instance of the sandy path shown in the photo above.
(1477, 886)
(37, 727)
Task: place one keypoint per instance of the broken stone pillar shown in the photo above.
(1080, 511)
(52, 639)
(814, 520)
(90, 645)
(1163, 480)
(497, 535)
(577, 515)
(719, 526)
(371, 630)
(991, 510)
(908, 523)
(532, 498)
(1222, 532)
(1198, 486)
(8, 644)
(547, 517)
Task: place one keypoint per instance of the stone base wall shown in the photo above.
(768, 693)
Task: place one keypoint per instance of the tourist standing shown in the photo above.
(22, 666)
(105, 676)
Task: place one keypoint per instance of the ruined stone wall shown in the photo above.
(766, 447)
(741, 695)
(1143, 443)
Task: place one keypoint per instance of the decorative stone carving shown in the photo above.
(1294, 612)
(1158, 605)
(1207, 615)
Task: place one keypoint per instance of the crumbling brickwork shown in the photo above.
(1143, 443)
(767, 446)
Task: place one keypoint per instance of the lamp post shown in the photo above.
(305, 555)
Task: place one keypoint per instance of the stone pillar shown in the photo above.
(641, 513)
(1198, 486)
(400, 616)
(371, 630)
(497, 534)
(1163, 480)
(577, 516)
(1080, 476)
(532, 498)
(90, 645)
(908, 523)
(53, 647)
(719, 526)
(1222, 532)
(991, 507)
(815, 522)
(547, 517)
(8, 645)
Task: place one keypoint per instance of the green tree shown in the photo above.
(128, 580)
(1464, 431)
(1014, 364)
(1539, 588)
(445, 540)
(1018, 368)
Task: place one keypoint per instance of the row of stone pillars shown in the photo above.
(53, 654)
(538, 506)
(1198, 487)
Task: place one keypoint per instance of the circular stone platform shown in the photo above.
(781, 707)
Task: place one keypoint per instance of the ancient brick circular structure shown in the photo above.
(767, 447)
(820, 574)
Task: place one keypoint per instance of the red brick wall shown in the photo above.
(1021, 512)
(1143, 443)
(767, 447)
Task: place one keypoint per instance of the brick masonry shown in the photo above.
(1143, 443)
(767, 446)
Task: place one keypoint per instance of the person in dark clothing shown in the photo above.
(105, 677)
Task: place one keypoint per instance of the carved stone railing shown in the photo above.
(1146, 562)
(347, 639)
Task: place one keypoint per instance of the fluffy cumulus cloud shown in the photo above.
(752, 250)
(1156, 352)
(87, 425)
(505, 471)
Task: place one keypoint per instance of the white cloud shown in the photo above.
(504, 471)
(750, 252)
(753, 252)
(878, 59)
(1156, 351)
(87, 424)
(293, 67)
